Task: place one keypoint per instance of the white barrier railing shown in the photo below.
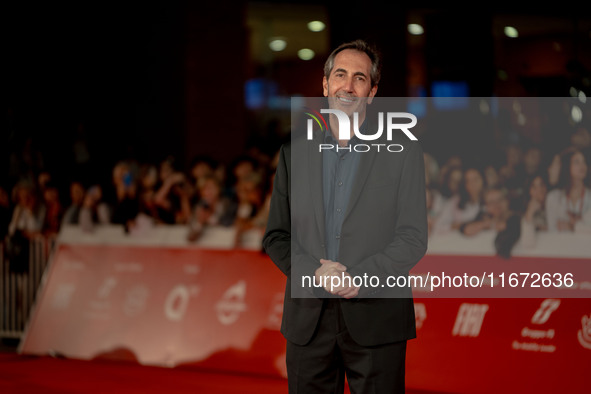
(18, 285)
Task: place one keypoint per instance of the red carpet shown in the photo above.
(47, 375)
(26, 374)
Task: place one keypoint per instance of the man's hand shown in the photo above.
(330, 268)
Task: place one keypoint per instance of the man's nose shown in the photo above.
(349, 85)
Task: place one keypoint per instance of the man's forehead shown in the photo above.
(352, 60)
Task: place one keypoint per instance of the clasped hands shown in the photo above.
(329, 269)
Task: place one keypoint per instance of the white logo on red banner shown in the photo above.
(420, 314)
(135, 300)
(177, 301)
(232, 303)
(63, 295)
(584, 333)
(469, 320)
(546, 308)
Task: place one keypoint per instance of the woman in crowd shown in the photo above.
(94, 210)
(568, 204)
(464, 206)
(172, 198)
(213, 209)
(534, 218)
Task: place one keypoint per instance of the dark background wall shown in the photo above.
(93, 83)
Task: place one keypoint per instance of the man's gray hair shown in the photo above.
(361, 46)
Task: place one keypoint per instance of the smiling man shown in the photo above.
(343, 214)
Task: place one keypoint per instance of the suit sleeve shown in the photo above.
(409, 242)
(277, 241)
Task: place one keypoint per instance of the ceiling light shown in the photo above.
(306, 54)
(277, 45)
(316, 26)
(415, 29)
(511, 32)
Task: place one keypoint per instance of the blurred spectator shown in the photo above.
(581, 138)
(451, 182)
(202, 167)
(568, 204)
(43, 179)
(512, 173)
(53, 207)
(431, 169)
(29, 212)
(464, 206)
(243, 167)
(532, 160)
(27, 221)
(72, 213)
(499, 218)
(249, 215)
(213, 209)
(534, 219)
(126, 203)
(148, 179)
(5, 211)
(94, 210)
(554, 172)
(172, 198)
(491, 176)
(435, 204)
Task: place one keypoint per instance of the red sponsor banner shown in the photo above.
(165, 306)
(221, 309)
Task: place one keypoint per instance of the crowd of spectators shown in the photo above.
(531, 191)
(141, 195)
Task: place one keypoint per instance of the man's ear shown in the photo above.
(325, 86)
(372, 93)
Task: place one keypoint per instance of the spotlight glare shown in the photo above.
(415, 29)
(576, 114)
(316, 26)
(306, 54)
(511, 32)
(277, 45)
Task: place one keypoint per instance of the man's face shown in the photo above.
(348, 86)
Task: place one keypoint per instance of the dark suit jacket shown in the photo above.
(384, 233)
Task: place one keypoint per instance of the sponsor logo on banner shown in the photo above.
(276, 312)
(546, 308)
(584, 333)
(420, 314)
(62, 296)
(177, 301)
(136, 300)
(469, 320)
(537, 340)
(232, 303)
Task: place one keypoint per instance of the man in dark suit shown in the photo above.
(342, 213)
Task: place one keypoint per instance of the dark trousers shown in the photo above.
(321, 365)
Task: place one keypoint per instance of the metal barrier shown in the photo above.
(19, 287)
